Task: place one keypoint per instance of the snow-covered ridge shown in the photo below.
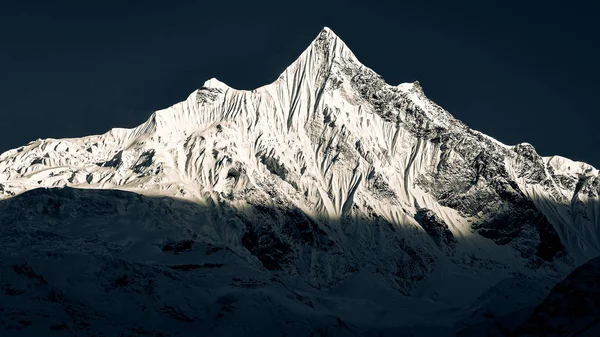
(338, 172)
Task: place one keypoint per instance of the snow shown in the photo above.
(329, 161)
(566, 166)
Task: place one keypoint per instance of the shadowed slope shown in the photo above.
(572, 307)
(114, 261)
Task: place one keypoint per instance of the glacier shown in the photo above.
(330, 200)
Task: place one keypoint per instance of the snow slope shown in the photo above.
(329, 181)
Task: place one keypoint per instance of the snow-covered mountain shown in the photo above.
(325, 202)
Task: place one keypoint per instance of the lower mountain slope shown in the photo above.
(571, 308)
(107, 262)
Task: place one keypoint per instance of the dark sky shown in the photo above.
(520, 71)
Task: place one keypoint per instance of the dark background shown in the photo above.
(519, 71)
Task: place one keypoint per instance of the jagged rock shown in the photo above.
(436, 227)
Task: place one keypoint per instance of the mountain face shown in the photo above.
(336, 203)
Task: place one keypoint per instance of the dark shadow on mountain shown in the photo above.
(240, 260)
(572, 308)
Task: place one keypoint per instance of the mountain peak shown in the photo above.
(328, 41)
(327, 29)
(319, 58)
(214, 83)
(327, 33)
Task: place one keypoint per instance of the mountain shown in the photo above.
(325, 203)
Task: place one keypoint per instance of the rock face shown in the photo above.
(325, 178)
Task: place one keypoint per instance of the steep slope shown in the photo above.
(328, 177)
